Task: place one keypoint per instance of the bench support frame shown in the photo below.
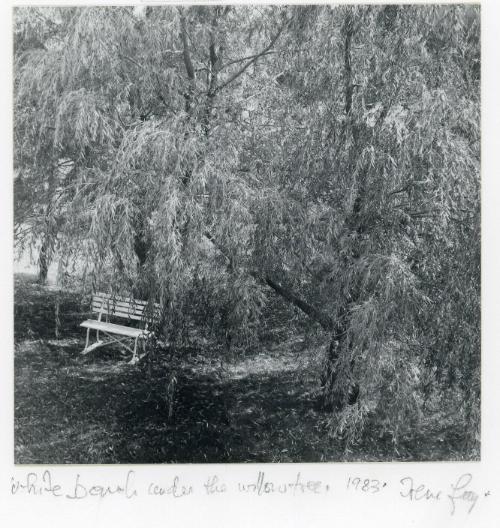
(112, 338)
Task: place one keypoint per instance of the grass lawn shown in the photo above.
(255, 407)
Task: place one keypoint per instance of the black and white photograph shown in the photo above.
(246, 233)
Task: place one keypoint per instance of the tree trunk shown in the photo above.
(335, 396)
(43, 261)
(213, 89)
(51, 227)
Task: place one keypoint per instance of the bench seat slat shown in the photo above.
(115, 328)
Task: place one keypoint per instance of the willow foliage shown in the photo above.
(329, 153)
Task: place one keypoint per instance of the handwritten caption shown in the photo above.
(460, 495)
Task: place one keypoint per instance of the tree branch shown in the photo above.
(186, 54)
(286, 293)
(349, 88)
(321, 318)
(235, 61)
(133, 61)
(254, 58)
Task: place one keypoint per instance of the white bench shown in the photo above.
(124, 308)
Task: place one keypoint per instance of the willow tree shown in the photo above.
(215, 154)
(381, 119)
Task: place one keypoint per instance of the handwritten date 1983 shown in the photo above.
(366, 485)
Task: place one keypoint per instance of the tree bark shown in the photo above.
(323, 319)
(333, 396)
(213, 71)
(48, 236)
(186, 55)
(43, 261)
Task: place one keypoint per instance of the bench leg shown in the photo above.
(143, 349)
(135, 358)
(97, 344)
(85, 350)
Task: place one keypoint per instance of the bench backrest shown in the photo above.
(126, 308)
